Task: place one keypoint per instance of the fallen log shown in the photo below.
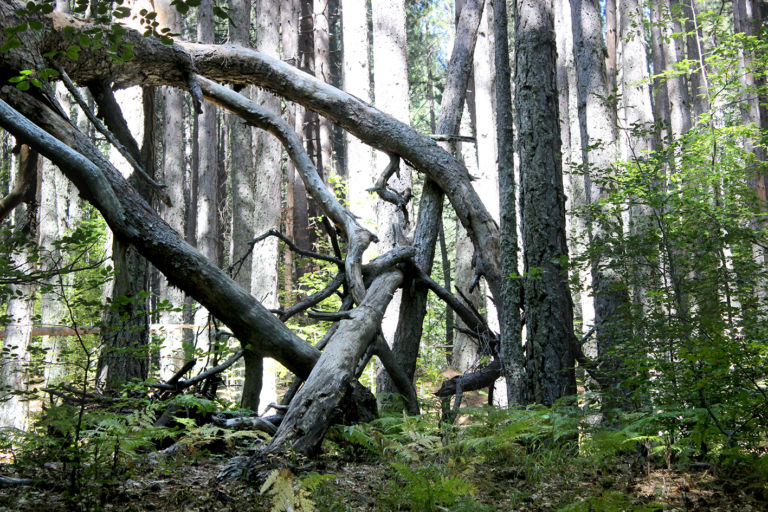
(471, 381)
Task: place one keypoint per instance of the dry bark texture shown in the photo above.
(549, 311)
(136, 223)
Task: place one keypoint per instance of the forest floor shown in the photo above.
(348, 482)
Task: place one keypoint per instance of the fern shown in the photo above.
(286, 492)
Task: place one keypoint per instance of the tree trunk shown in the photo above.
(360, 168)
(641, 139)
(14, 365)
(677, 84)
(243, 175)
(390, 83)
(658, 58)
(172, 355)
(598, 142)
(124, 355)
(322, 35)
(513, 359)
(747, 19)
(315, 405)
(548, 307)
(414, 302)
(207, 232)
(268, 200)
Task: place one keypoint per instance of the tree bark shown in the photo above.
(414, 302)
(267, 201)
(172, 355)
(598, 142)
(124, 355)
(313, 408)
(513, 359)
(391, 95)
(548, 307)
(14, 366)
(207, 236)
(361, 173)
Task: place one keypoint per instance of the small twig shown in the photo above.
(333, 316)
(333, 235)
(181, 385)
(309, 254)
(389, 195)
(110, 136)
(313, 299)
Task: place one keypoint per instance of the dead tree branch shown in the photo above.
(358, 238)
(314, 299)
(387, 194)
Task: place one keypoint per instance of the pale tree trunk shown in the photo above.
(56, 217)
(599, 152)
(325, 162)
(391, 96)
(747, 19)
(306, 123)
(207, 232)
(172, 354)
(487, 184)
(243, 177)
(512, 357)
(427, 228)
(14, 371)
(268, 199)
(677, 84)
(357, 81)
(571, 150)
(466, 348)
(694, 47)
(54, 223)
(658, 58)
(289, 34)
(636, 108)
(611, 44)
(639, 139)
(548, 306)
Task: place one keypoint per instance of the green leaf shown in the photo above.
(35, 25)
(10, 45)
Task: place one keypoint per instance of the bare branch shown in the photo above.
(128, 155)
(389, 195)
(358, 238)
(313, 299)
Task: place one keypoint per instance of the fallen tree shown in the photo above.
(35, 119)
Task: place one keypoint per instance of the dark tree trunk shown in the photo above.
(548, 307)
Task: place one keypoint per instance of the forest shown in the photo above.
(427, 255)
